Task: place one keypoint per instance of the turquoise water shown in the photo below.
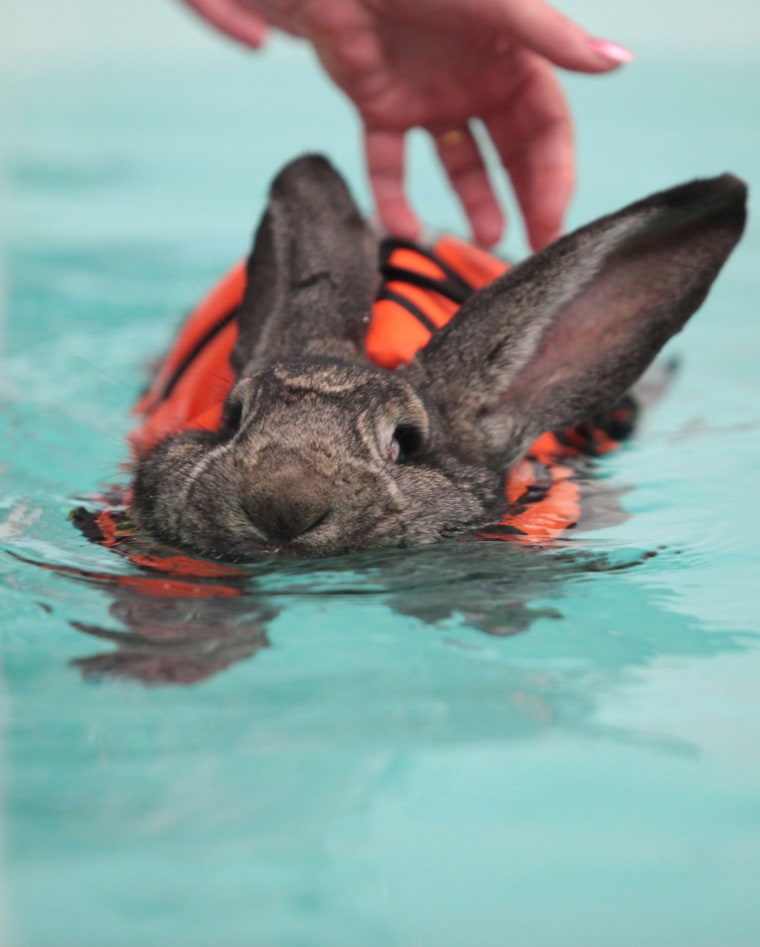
(460, 745)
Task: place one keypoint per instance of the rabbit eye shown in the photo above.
(406, 442)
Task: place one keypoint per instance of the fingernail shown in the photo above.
(614, 52)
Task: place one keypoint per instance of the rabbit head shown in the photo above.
(322, 453)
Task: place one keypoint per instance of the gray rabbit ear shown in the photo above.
(565, 333)
(312, 274)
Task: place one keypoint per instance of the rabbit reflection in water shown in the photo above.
(320, 452)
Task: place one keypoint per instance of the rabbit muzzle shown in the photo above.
(286, 499)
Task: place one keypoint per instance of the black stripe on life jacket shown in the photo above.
(410, 307)
(201, 344)
(453, 287)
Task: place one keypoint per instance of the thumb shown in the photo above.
(237, 21)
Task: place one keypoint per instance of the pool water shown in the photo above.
(464, 744)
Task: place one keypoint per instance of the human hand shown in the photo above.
(438, 64)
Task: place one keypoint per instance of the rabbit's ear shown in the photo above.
(565, 333)
(313, 272)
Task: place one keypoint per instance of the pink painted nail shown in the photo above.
(612, 51)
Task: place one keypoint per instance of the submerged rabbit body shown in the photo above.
(317, 451)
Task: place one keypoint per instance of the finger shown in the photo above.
(460, 155)
(548, 32)
(233, 18)
(534, 139)
(384, 150)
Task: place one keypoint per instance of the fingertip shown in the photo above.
(243, 26)
(612, 54)
(544, 204)
(594, 55)
(251, 40)
(488, 227)
(258, 38)
(540, 237)
(400, 222)
(544, 220)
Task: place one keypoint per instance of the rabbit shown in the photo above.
(321, 453)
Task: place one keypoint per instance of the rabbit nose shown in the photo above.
(287, 501)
